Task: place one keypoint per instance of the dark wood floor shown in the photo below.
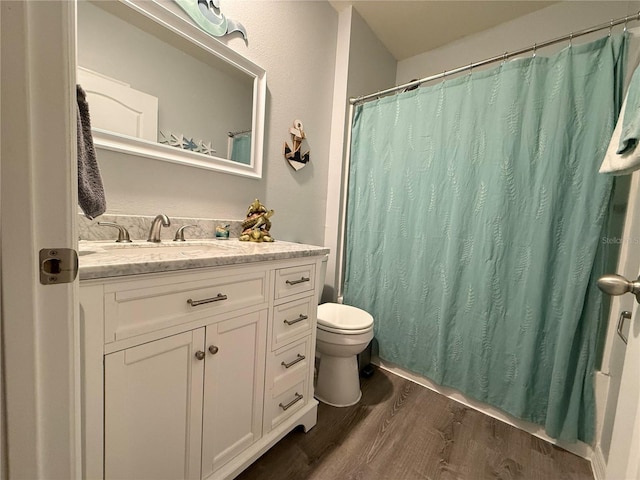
(402, 431)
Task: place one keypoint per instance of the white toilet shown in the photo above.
(343, 332)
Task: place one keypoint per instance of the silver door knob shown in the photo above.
(200, 355)
(615, 284)
(213, 349)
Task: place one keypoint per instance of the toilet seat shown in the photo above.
(343, 319)
(341, 331)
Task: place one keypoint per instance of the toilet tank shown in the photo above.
(323, 274)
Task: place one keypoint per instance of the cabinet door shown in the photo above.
(153, 409)
(233, 388)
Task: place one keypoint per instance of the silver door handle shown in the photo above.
(624, 315)
(615, 284)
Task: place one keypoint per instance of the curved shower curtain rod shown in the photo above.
(497, 58)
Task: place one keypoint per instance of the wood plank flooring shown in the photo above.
(403, 431)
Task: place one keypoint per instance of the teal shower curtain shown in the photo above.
(474, 221)
(241, 148)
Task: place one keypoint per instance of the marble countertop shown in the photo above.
(100, 259)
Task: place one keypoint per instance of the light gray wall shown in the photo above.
(295, 42)
(371, 66)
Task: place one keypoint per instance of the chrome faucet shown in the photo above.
(123, 234)
(158, 222)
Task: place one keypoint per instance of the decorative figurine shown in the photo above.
(222, 232)
(180, 141)
(256, 226)
(206, 14)
(294, 155)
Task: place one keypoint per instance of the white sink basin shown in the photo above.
(144, 249)
(160, 250)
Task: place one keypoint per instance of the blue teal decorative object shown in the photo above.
(205, 14)
(189, 144)
(180, 141)
(222, 232)
(474, 223)
(241, 147)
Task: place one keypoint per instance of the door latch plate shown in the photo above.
(58, 265)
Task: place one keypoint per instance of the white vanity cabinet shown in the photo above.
(234, 386)
(153, 404)
(195, 374)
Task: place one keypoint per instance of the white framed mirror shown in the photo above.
(161, 88)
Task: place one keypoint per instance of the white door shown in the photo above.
(233, 388)
(153, 409)
(623, 461)
(624, 457)
(38, 211)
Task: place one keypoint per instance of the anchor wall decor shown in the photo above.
(294, 155)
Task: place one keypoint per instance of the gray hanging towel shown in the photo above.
(90, 190)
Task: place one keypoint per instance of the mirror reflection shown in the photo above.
(144, 81)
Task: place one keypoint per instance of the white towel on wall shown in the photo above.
(623, 153)
(620, 163)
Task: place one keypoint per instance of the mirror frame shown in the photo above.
(176, 23)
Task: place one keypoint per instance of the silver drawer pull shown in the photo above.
(195, 303)
(292, 402)
(296, 320)
(295, 282)
(299, 358)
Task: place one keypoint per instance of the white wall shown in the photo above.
(554, 21)
(363, 65)
(295, 42)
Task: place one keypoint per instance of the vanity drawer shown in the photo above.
(279, 407)
(134, 311)
(288, 366)
(290, 281)
(292, 321)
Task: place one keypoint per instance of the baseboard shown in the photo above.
(579, 448)
(598, 464)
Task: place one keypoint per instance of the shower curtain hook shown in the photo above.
(471, 68)
(504, 57)
(610, 26)
(626, 19)
(535, 46)
(571, 39)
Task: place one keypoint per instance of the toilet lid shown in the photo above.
(343, 317)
